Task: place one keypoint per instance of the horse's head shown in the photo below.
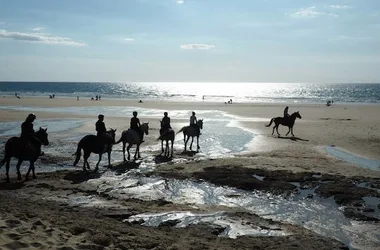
(112, 133)
(42, 135)
(297, 114)
(145, 128)
(200, 123)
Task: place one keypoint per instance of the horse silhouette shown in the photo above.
(288, 121)
(189, 131)
(167, 136)
(15, 147)
(133, 138)
(93, 144)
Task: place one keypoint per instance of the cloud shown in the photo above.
(310, 12)
(337, 6)
(39, 38)
(180, 1)
(197, 46)
(129, 39)
(38, 29)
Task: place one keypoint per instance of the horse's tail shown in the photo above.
(78, 153)
(121, 138)
(271, 121)
(7, 152)
(181, 130)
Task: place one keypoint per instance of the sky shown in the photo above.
(317, 41)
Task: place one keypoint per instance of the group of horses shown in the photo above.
(15, 147)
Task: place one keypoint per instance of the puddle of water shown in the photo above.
(322, 216)
(232, 228)
(354, 159)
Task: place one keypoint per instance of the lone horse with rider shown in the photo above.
(286, 120)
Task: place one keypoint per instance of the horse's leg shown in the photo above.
(124, 151)
(292, 131)
(137, 151)
(109, 158)
(198, 144)
(191, 144)
(162, 146)
(97, 164)
(167, 149)
(18, 170)
(277, 125)
(129, 155)
(171, 155)
(273, 129)
(7, 169)
(86, 155)
(33, 170)
(288, 131)
(186, 142)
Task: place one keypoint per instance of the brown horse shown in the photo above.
(167, 136)
(92, 144)
(288, 121)
(15, 147)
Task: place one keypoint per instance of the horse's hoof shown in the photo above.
(34, 177)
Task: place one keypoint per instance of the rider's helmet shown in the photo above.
(134, 113)
(100, 116)
(165, 113)
(31, 117)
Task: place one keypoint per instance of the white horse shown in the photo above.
(167, 136)
(190, 131)
(132, 137)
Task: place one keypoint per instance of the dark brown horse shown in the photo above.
(15, 147)
(167, 136)
(93, 144)
(288, 121)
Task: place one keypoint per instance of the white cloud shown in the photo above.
(310, 12)
(197, 46)
(180, 1)
(38, 29)
(129, 39)
(337, 6)
(38, 38)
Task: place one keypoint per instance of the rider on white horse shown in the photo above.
(193, 123)
(165, 124)
(135, 125)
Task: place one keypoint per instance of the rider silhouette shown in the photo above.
(135, 125)
(286, 114)
(102, 131)
(28, 134)
(165, 123)
(193, 123)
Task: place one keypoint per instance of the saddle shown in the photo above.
(164, 131)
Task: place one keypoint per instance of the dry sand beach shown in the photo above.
(31, 219)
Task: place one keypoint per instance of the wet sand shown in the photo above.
(28, 219)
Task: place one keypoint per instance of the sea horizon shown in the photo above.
(242, 92)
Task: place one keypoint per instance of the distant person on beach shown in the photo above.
(286, 112)
(77, 98)
(27, 132)
(135, 125)
(193, 122)
(102, 131)
(140, 101)
(165, 124)
(100, 97)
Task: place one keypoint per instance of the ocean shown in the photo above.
(203, 91)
